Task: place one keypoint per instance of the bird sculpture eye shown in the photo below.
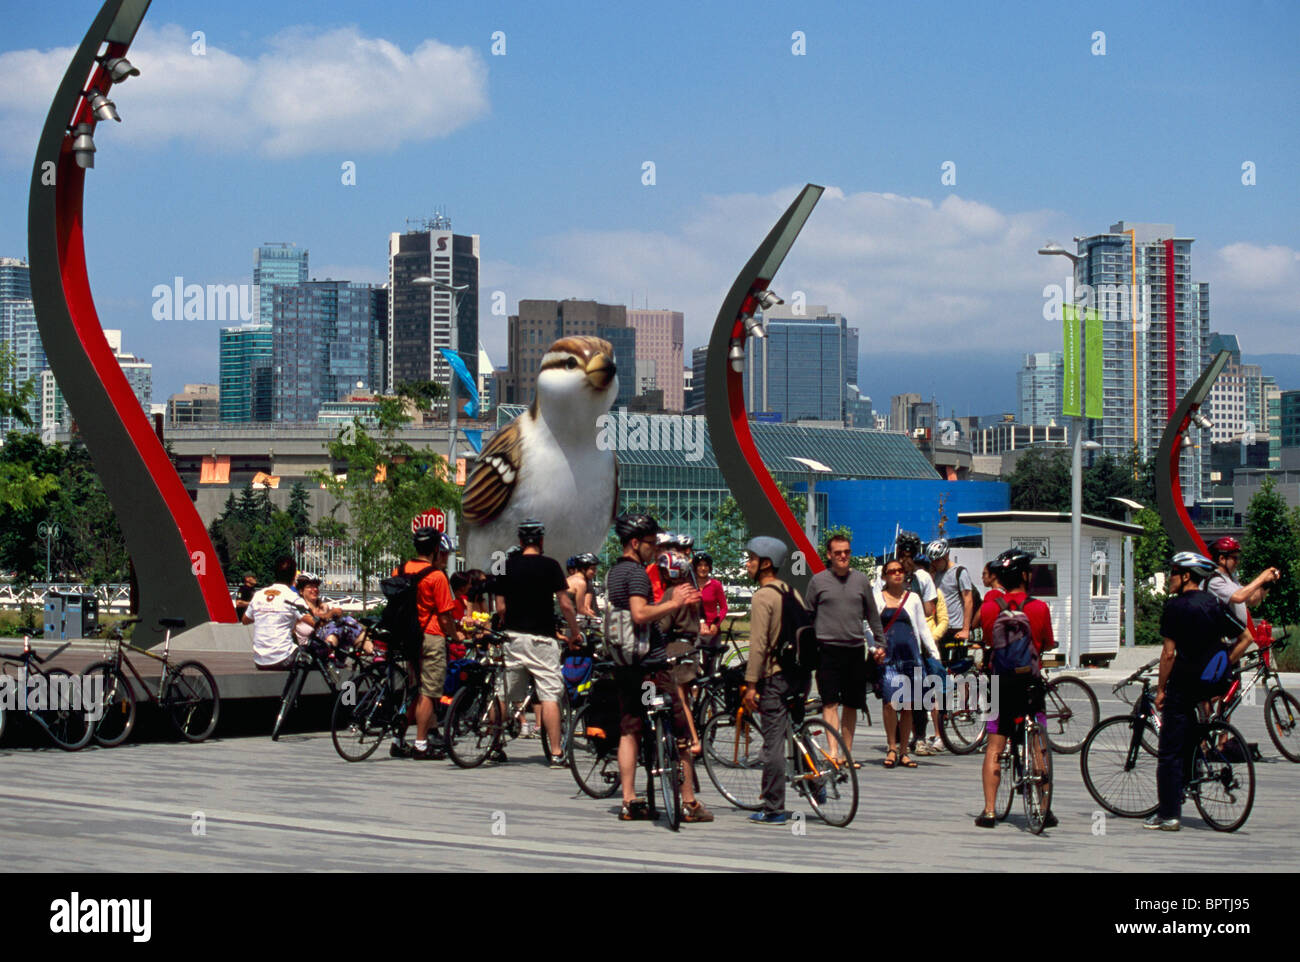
(571, 362)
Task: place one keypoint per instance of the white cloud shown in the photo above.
(310, 91)
(1253, 294)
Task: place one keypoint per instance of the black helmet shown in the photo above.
(1010, 561)
(427, 540)
(908, 542)
(531, 531)
(703, 556)
(572, 562)
(685, 542)
(587, 560)
(629, 526)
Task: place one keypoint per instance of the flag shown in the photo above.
(1092, 363)
(466, 380)
(1070, 365)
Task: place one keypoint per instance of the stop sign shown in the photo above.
(433, 518)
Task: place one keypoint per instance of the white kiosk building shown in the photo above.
(1046, 535)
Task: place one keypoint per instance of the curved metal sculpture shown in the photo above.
(1169, 489)
(733, 445)
(175, 564)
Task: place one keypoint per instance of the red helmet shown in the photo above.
(1228, 545)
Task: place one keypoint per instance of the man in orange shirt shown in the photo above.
(437, 607)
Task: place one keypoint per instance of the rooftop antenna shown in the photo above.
(439, 220)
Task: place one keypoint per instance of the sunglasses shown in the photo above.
(841, 554)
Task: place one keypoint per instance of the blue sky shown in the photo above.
(540, 151)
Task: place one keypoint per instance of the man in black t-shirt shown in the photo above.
(526, 596)
(1192, 662)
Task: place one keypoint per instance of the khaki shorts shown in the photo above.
(535, 656)
(433, 666)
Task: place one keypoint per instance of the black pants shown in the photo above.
(780, 705)
(1177, 745)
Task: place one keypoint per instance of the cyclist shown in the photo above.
(683, 627)
(714, 603)
(436, 608)
(777, 698)
(1191, 628)
(959, 592)
(526, 597)
(1016, 696)
(841, 599)
(1223, 583)
(628, 589)
(274, 612)
(579, 587)
(588, 563)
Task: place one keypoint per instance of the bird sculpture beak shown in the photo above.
(600, 371)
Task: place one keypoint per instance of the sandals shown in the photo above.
(906, 761)
(891, 758)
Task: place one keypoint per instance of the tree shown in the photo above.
(725, 540)
(387, 483)
(298, 510)
(1041, 481)
(22, 486)
(864, 563)
(1271, 539)
(92, 545)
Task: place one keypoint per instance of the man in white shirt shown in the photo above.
(273, 612)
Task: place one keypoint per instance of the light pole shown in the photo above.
(1130, 575)
(1076, 488)
(455, 290)
(810, 509)
(50, 531)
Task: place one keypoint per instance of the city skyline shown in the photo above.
(922, 267)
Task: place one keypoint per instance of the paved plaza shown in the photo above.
(295, 805)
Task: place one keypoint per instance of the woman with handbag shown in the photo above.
(906, 636)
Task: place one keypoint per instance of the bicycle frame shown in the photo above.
(33, 662)
(119, 658)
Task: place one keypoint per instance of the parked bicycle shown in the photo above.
(58, 707)
(374, 704)
(1119, 762)
(1281, 708)
(1026, 770)
(187, 692)
(313, 656)
(819, 768)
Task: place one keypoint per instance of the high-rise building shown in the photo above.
(660, 338)
(246, 386)
(699, 368)
(138, 371)
(1289, 419)
(323, 346)
(1273, 420)
(1038, 385)
(273, 265)
(859, 413)
(907, 412)
(54, 410)
(540, 323)
(1155, 334)
(15, 279)
(197, 404)
(20, 335)
(802, 368)
(420, 318)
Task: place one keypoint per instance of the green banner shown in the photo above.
(1070, 367)
(1092, 363)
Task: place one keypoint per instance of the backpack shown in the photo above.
(1013, 642)
(797, 649)
(625, 640)
(576, 671)
(401, 617)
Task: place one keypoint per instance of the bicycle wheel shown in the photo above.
(471, 732)
(297, 676)
(733, 758)
(593, 757)
(190, 699)
(961, 728)
(669, 772)
(1223, 778)
(116, 705)
(1282, 718)
(1125, 789)
(65, 715)
(1071, 708)
(1006, 782)
(1037, 790)
(361, 717)
(735, 656)
(831, 786)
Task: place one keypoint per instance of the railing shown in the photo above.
(115, 598)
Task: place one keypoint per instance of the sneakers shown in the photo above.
(434, 752)
(400, 751)
(936, 744)
(497, 755)
(1163, 824)
(696, 812)
(923, 748)
(986, 820)
(636, 810)
(557, 761)
(770, 818)
(528, 730)
(1051, 821)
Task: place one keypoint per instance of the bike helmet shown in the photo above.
(937, 549)
(764, 546)
(445, 543)
(1228, 545)
(629, 526)
(572, 563)
(588, 560)
(685, 542)
(1196, 565)
(665, 539)
(703, 556)
(427, 540)
(531, 531)
(674, 565)
(306, 578)
(908, 542)
(1011, 560)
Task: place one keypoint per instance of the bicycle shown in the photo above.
(187, 693)
(372, 706)
(313, 656)
(476, 724)
(1026, 768)
(593, 752)
(1119, 762)
(1281, 708)
(65, 721)
(818, 765)
(732, 654)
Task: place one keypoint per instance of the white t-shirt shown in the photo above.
(924, 585)
(952, 585)
(274, 610)
(1223, 588)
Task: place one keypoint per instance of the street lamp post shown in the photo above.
(455, 290)
(50, 531)
(1130, 573)
(810, 509)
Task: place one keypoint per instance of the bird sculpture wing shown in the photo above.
(495, 475)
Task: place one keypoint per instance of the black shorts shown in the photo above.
(631, 681)
(842, 677)
(1016, 696)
